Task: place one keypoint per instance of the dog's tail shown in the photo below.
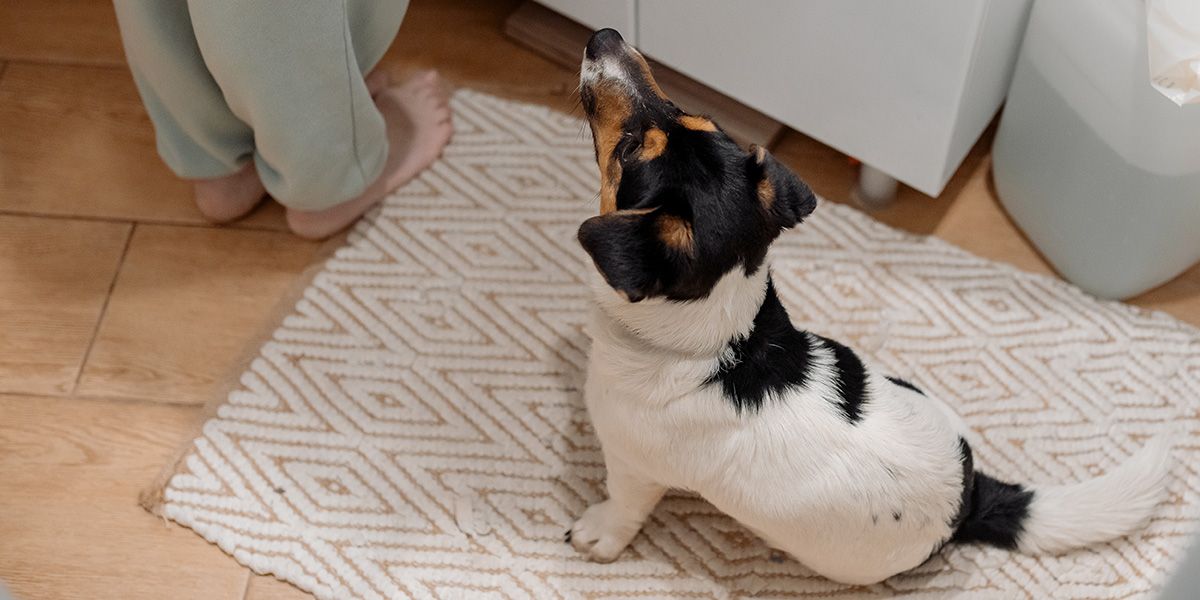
(1053, 519)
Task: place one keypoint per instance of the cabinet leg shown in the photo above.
(875, 189)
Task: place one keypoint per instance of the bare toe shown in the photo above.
(420, 109)
(378, 81)
(429, 77)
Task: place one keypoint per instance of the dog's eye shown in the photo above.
(630, 149)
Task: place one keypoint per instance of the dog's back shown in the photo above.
(855, 502)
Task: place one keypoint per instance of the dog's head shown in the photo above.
(681, 204)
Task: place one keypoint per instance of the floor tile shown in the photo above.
(977, 222)
(186, 303)
(54, 278)
(69, 516)
(77, 142)
(1179, 297)
(65, 31)
(269, 588)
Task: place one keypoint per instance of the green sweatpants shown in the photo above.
(279, 82)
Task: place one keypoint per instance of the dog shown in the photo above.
(698, 380)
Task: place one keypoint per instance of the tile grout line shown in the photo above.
(246, 588)
(112, 285)
(102, 398)
(155, 222)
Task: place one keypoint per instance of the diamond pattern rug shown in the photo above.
(414, 426)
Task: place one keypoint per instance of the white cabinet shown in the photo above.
(598, 14)
(906, 87)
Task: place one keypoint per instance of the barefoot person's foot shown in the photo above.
(417, 113)
(378, 81)
(228, 198)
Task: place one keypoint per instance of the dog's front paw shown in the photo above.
(603, 531)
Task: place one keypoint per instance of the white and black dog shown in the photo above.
(698, 380)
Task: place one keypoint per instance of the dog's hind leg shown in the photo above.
(607, 527)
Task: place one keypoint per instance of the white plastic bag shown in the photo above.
(1173, 37)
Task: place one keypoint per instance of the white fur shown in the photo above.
(1071, 516)
(607, 68)
(796, 472)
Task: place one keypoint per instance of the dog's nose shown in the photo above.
(605, 41)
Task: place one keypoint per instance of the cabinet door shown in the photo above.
(878, 80)
(598, 14)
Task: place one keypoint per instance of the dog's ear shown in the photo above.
(784, 197)
(625, 250)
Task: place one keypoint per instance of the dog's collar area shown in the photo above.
(701, 329)
(631, 337)
(722, 353)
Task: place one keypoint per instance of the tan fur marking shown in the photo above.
(766, 192)
(676, 233)
(653, 144)
(649, 77)
(612, 109)
(760, 154)
(633, 212)
(608, 195)
(697, 123)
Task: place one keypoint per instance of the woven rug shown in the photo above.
(414, 426)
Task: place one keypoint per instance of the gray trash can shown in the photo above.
(1099, 169)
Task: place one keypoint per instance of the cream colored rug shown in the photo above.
(414, 427)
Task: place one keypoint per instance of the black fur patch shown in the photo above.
(774, 357)
(992, 512)
(968, 483)
(850, 378)
(905, 384)
(625, 251)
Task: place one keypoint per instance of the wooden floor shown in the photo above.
(121, 310)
